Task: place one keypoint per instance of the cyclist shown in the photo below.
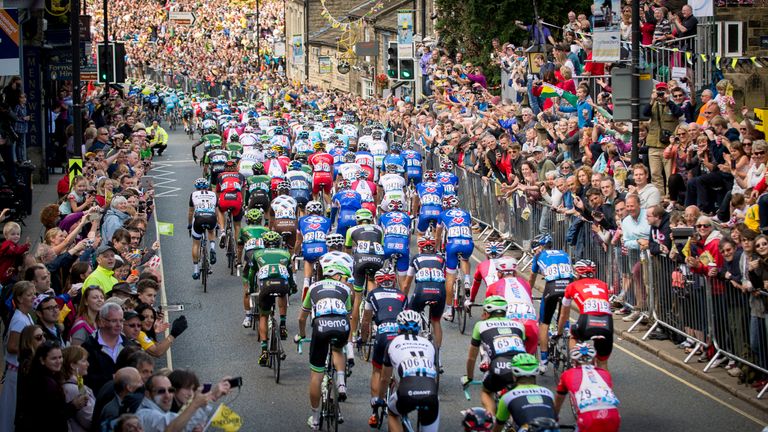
(209, 138)
(300, 183)
(364, 158)
(394, 158)
(411, 357)
(595, 319)
(485, 271)
(215, 161)
(366, 189)
(312, 235)
(322, 177)
(257, 194)
(329, 303)
(430, 201)
(337, 152)
(346, 202)
(517, 292)
(392, 186)
(230, 198)
(476, 419)
(382, 305)
(275, 169)
(201, 219)
(250, 156)
(187, 112)
(427, 269)
(335, 244)
(413, 169)
(447, 178)
(555, 266)
(273, 275)
(302, 146)
(249, 139)
(397, 237)
(234, 146)
(527, 404)
(458, 247)
(248, 249)
(378, 149)
(501, 340)
(349, 169)
(591, 390)
(282, 214)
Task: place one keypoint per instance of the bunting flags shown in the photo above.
(345, 26)
(719, 61)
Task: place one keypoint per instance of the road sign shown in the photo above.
(369, 49)
(85, 28)
(405, 35)
(182, 18)
(75, 168)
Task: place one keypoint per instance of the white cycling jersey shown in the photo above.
(284, 207)
(411, 355)
(203, 201)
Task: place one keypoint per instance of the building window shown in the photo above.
(730, 38)
(367, 88)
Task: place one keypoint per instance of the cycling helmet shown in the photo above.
(450, 202)
(269, 154)
(333, 265)
(363, 215)
(377, 135)
(249, 129)
(349, 157)
(278, 149)
(230, 165)
(362, 174)
(396, 148)
(391, 169)
(367, 130)
(234, 138)
(409, 321)
(525, 365)
(585, 268)
(251, 244)
(542, 240)
(384, 278)
(495, 305)
(253, 216)
(583, 353)
(264, 138)
(278, 130)
(303, 135)
(258, 168)
(202, 183)
(477, 419)
(506, 265)
(430, 175)
(334, 240)
(283, 186)
(314, 207)
(271, 239)
(395, 205)
(319, 146)
(446, 165)
(362, 146)
(294, 166)
(344, 184)
(426, 242)
(494, 249)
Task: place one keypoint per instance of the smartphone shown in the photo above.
(171, 308)
(236, 382)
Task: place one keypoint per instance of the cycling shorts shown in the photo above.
(187, 115)
(417, 392)
(233, 201)
(429, 294)
(589, 326)
(287, 226)
(456, 247)
(427, 214)
(499, 374)
(346, 221)
(395, 244)
(605, 420)
(553, 294)
(202, 222)
(269, 289)
(302, 196)
(214, 177)
(313, 251)
(413, 175)
(366, 265)
(380, 346)
(259, 199)
(325, 330)
(322, 180)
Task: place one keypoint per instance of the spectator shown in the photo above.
(103, 275)
(11, 252)
(664, 115)
(47, 311)
(104, 346)
(21, 127)
(635, 235)
(126, 382)
(23, 298)
(75, 367)
(87, 313)
(115, 217)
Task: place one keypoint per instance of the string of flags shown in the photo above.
(719, 61)
(346, 26)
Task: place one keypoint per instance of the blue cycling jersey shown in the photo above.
(395, 224)
(393, 159)
(348, 200)
(314, 228)
(457, 223)
(449, 182)
(553, 265)
(430, 195)
(338, 157)
(412, 163)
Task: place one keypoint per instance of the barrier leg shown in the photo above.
(712, 361)
(643, 316)
(650, 330)
(762, 392)
(695, 350)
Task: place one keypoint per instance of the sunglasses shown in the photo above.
(761, 244)
(39, 337)
(703, 225)
(162, 391)
(51, 308)
(758, 153)
(137, 325)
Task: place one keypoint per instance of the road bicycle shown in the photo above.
(330, 411)
(229, 236)
(275, 346)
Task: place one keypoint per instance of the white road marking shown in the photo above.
(161, 178)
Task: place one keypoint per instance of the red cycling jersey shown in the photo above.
(591, 390)
(230, 182)
(590, 295)
(321, 162)
(517, 292)
(486, 271)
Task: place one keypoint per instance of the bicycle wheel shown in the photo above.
(204, 270)
(254, 312)
(274, 349)
(463, 314)
(457, 307)
(335, 410)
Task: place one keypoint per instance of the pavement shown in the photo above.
(657, 390)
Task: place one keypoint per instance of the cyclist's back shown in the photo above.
(431, 200)
(591, 390)
(555, 266)
(345, 203)
(397, 225)
(368, 251)
(595, 320)
(524, 403)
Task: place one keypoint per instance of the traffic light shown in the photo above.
(110, 63)
(406, 69)
(392, 62)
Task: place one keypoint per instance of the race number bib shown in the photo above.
(417, 366)
(400, 230)
(520, 311)
(459, 231)
(273, 271)
(504, 344)
(368, 247)
(430, 199)
(430, 275)
(330, 306)
(596, 306)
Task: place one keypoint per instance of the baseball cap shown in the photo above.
(40, 299)
(130, 314)
(538, 149)
(662, 86)
(105, 248)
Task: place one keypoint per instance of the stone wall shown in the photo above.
(755, 21)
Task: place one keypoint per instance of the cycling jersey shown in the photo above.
(393, 187)
(257, 193)
(524, 403)
(501, 339)
(249, 157)
(367, 191)
(368, 251)
(284, 207)
(275, 168)
(328, 302)
(378, 149)
(385, 303)
(230, 182)
(322, 178)
(337, 153)
(484, 272)
(553, 265)
(397, 226)
(248, 232)
(457, 224)
(349, 171)
(345, 203)
(313, 231)
(272, 273)
(428, 272)
(302, 147)
(394, 159)
(204, 214)
(412, 359)
(449, 181)
(300, 186)
(591, 297)
(592, 396)
(520, 307)
(365, 160)
(431, 199)
(412, 165)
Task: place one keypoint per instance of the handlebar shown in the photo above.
(299, 342)
(466, 390)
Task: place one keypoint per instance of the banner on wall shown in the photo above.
(606, 46)
(326, 65)
(297, 45)
(9, 42)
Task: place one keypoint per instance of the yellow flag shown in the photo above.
(226, 419)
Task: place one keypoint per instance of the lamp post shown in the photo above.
(74, 28)
(635, 89)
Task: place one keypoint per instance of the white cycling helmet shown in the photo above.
(409, 321)
(583, 353)
(333, 265)
(314, 207)
(333, 240)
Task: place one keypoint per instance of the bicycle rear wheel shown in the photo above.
(274, 349)
(204, 270)
(463, 315)
(230, 244)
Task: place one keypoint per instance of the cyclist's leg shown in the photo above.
(451, 263)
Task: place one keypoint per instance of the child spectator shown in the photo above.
(11, 252)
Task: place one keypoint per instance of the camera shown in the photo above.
(660, 94)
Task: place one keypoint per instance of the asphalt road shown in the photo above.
(655, 396)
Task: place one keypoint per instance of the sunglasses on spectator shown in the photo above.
(758, 153)
(761, 244)
(136, 325)
(161, 391)
(39, 337)
(703, 225)
(746, 143)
